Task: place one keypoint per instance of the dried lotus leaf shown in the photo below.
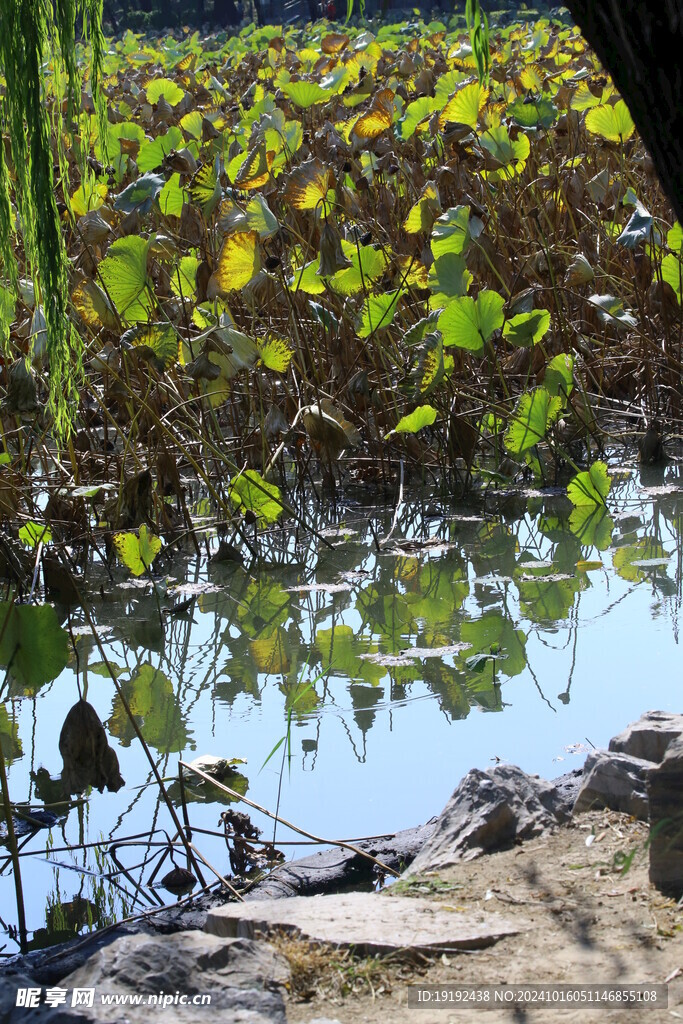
(88, 758)
(309, 184)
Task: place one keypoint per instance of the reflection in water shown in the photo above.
(459, 611)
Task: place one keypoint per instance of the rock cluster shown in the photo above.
(640, 774)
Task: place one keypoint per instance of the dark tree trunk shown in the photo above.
(225, 12)
(640, 44)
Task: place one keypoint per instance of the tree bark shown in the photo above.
(637, 43)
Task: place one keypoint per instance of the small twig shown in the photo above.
(218, 875)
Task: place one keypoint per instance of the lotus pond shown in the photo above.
(406, 694)
(282, 248)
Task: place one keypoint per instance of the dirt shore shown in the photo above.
(586, 911)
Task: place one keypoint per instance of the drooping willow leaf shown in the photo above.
(478, 28)
(26, 29)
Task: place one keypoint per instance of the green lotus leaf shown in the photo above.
(32, 534)
(306, 94)
(416, 113)
(32, 643)
(611, 313)
(137, 552)
(172, 197)
(510, 153)
(152, 153)
(367, 265)
(249, 492)
(378, 312)
(184, 277)
(534, 412)
(422, 416)
(672, 273)
(449, 276)
(416, 334)
(559, 375)
(8, 303)
(674, 239)
(159, 87)
(534, 113)
(527, 329)
(140, 195)
(590, 487)
(453, 231)
(260, 218)
(124, 273)
(469, 323)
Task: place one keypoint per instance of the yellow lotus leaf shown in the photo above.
(464, 107)
(205, 187)
(532, 77)
(186, 63)
(275, 353)
(157, 343)
(425, 211)
(93, 305)
(309, 184)
(354, 65)
(239, 261)
(270, 652)
(255, 170)
(333, 43)
(413, 272)
(378, 118)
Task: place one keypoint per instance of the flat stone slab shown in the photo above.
(369, 922)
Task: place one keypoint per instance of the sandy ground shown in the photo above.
(582, 920)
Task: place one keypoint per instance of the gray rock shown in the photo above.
(48, 966)
(243, 979)
(489, 811)
(665, 789)
(369, 922)
(10, 983)
(650, 737)
(567, 786)
(616, 781)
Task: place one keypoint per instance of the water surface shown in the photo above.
(583, 612)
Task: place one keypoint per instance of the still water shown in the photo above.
(583, 613)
